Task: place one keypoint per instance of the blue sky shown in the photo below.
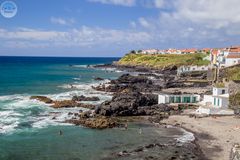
(113, 27)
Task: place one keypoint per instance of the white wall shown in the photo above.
(218, 91)
(232, 61)
(223, 102)
(207, 99)
(162, 99)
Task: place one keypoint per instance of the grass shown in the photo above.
(220, 85)
(160, 61)
(233, 73)
(235, 101)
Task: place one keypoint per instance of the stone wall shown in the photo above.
(235, 152)
(234, 87)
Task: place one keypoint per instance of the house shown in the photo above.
(149, 51)
(216, 104)
(214, 56)
(205, 50)
(180, 98)
(225, 57)
(186, 69)
(189, 51)
(232, 59)
(218, 99)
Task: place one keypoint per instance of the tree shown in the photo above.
(133, 52)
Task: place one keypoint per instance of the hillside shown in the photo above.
(232, 73)
(160, 61)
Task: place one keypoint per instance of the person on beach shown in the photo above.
(126, 126)
(140, 130)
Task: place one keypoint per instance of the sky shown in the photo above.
(111, 28)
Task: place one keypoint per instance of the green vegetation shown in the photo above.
(234, 101)
(160, 61)
(233, 73)
(220, 85)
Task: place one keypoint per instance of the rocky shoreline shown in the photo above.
(133, 95)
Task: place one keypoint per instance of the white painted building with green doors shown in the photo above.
(182, 98)
(219, 98)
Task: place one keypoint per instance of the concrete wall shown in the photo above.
(185, 69)
(232, 61)
(223, 102)
(207, 99)
(219, 91)
(162, 99)
(166, 98)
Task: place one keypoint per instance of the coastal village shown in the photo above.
(218, 101)
(197, 90)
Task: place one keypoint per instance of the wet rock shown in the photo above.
(71, 104)
(98, 79)
(126, 103)
(84, 98)
(95, 123)
(64, 104)
(42, 99)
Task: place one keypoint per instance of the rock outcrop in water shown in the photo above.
(64, 103)
(42, 99)
(100, 122)
(84, 98)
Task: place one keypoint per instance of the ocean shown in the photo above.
(29, 128)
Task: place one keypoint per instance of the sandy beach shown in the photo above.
(214, 135)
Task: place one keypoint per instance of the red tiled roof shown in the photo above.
(234, 50)
(233, 56)
(215, 52)
(206, 49)
(189, 50)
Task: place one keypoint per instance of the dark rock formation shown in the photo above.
(84, 98)
(127, 81)
(42, 99)
(71, 104)
(98, 79)
(94, 122)
(64, 103)
(128, 104)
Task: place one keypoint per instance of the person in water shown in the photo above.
(60, 132)
(140, 130)
(126, 126)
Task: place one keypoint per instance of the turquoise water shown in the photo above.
(27, 127)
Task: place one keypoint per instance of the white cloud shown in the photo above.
(82, 37)
(128, 3)
(211, 13)
(144, 23)
(133, 24)
(152, 3)
(62, 21)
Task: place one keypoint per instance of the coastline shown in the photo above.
(214, 135)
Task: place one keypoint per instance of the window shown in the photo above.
(218, 102)
(194, 100)
(171, 100)
(223, 91)
(214, 102)
(178, 99)
(186, 99)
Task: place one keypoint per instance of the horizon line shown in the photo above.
(56, 56)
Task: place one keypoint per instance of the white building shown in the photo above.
(219, 98)
(183, 98)
(232, 59)
(185, 69)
